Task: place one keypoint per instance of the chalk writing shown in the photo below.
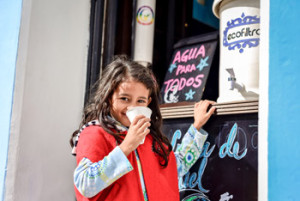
(226, 197)
(176, 137)
(254, 140)
(195, 196)
(185, 69)
(183, 82)
(172, 67)
(188, 70)
(189, 95)
(171, 97)
(227, 149)
(203, 63)
(190, 181)
(228, 159)
(189, 54)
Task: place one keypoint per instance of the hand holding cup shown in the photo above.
(138, 129)
(136, 111)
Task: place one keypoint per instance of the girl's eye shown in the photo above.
(124, 99)
(141, 101)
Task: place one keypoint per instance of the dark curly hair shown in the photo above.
(98, 107)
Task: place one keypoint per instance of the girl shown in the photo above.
(111, 162)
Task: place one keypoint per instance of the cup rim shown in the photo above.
(144, 107)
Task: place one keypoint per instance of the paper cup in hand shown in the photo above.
(140, 110)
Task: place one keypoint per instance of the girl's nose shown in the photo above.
(131, 106)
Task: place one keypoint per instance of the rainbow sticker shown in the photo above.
(145, 15)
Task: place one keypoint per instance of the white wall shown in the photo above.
(263, 101)
(48, 98)
(10, 17)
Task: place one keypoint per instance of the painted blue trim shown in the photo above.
(284, 107)
(10, 17)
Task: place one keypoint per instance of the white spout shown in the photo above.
(231, 78)
(233, 84)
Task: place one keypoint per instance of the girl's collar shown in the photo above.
(118, 125)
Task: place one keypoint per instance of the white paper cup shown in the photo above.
(139, 110)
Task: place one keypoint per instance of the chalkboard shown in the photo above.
(189, 68)
(227, 167)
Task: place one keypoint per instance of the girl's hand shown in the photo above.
(201, 113)
(137, 131)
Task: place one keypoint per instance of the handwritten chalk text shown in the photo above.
(183, 82)
(189, 54)
(230, 148)
(185, 69)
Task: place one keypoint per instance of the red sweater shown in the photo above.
(161, 183)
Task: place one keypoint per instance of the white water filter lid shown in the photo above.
(216, 7)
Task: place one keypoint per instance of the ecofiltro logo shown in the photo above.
(241, 33)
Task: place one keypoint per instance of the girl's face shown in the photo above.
(128, 94)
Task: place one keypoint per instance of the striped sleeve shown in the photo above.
(188, 152)
(90, 178)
